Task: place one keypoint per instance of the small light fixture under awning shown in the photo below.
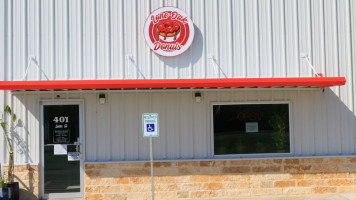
(320, 82)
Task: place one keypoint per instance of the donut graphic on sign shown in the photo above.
(169, 31)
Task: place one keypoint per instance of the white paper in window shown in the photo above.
(60, 149)
(251, 127)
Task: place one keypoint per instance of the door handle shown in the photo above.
(77, 148)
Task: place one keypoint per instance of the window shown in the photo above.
(251, 128)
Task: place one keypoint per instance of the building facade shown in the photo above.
(97, 77)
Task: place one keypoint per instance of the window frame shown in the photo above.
(291, 139)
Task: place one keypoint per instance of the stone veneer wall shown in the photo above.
(221, 178)
(27, 176)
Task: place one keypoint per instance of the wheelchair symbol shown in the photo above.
(150, 127)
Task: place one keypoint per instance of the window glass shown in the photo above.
(251, 129)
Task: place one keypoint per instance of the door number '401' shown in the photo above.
(60, 119)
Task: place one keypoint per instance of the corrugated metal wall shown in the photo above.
(104, 39)
(113, 131)
(234, 38)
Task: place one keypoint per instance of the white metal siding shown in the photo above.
(104, 39)
(113, 131)
(258, 38)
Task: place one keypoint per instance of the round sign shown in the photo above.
(169, 31)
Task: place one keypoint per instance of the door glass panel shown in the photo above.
(61, 134)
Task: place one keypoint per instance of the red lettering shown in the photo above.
(167, 47)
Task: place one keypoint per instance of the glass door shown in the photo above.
(62, 172)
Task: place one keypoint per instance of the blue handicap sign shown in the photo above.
(150, 127)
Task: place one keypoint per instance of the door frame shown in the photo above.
(80, 103)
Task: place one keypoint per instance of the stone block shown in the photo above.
(215, 178)
(323, 175)
(140, 187)
(233, 170)
(266, 162)
(199, 178)
(236, 193)
(109, 172)
(185, 171)
(89, 166)
(101, 166)
(135, 180)
(311, 160)
(187, 164)
(284, 183)
(266, 191)
(297, 168)
(351, 160)
(166, 195)
(94, 196)
(213, 186)
(340, 182)
(239, 185)
(203, 194)
(243, 162)
(293, 161)
(113, 189)
(281, 176)
(335, 160)
(166, 171)
(346, 189)
(125, 188)
(191, 186)
(92, 173)
(297, 191)
(325, 168)
(206, 163)
(322, 190)
(277, 161)
(136, 172)
(115, 196)
(139, 195)
(305, 183)
(266, 184)
(266, 169)
(183, 194)
(297, 176)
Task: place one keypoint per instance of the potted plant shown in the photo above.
(9, 184)
(279, 123)
(4, 192)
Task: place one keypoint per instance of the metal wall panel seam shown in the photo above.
(284, 39)
(297, 36)
(352, 8)
(54, 56)
(244, 36)
(39, 40)
(25, 37)
(3, 45)
(94, 40)
(109, 39)
(311, 43)
(9, 50)
(68, 41)
(81, 41)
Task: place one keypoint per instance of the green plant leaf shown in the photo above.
(7, 109)
(14, 118)
(3, 124)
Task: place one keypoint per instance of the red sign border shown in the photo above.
(192, 31)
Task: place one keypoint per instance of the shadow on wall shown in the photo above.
(20, 141)
(191, 56)
(26, 181)
(340, 124)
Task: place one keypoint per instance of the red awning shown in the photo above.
(320, 82)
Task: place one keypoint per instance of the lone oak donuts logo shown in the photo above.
(169, 31)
